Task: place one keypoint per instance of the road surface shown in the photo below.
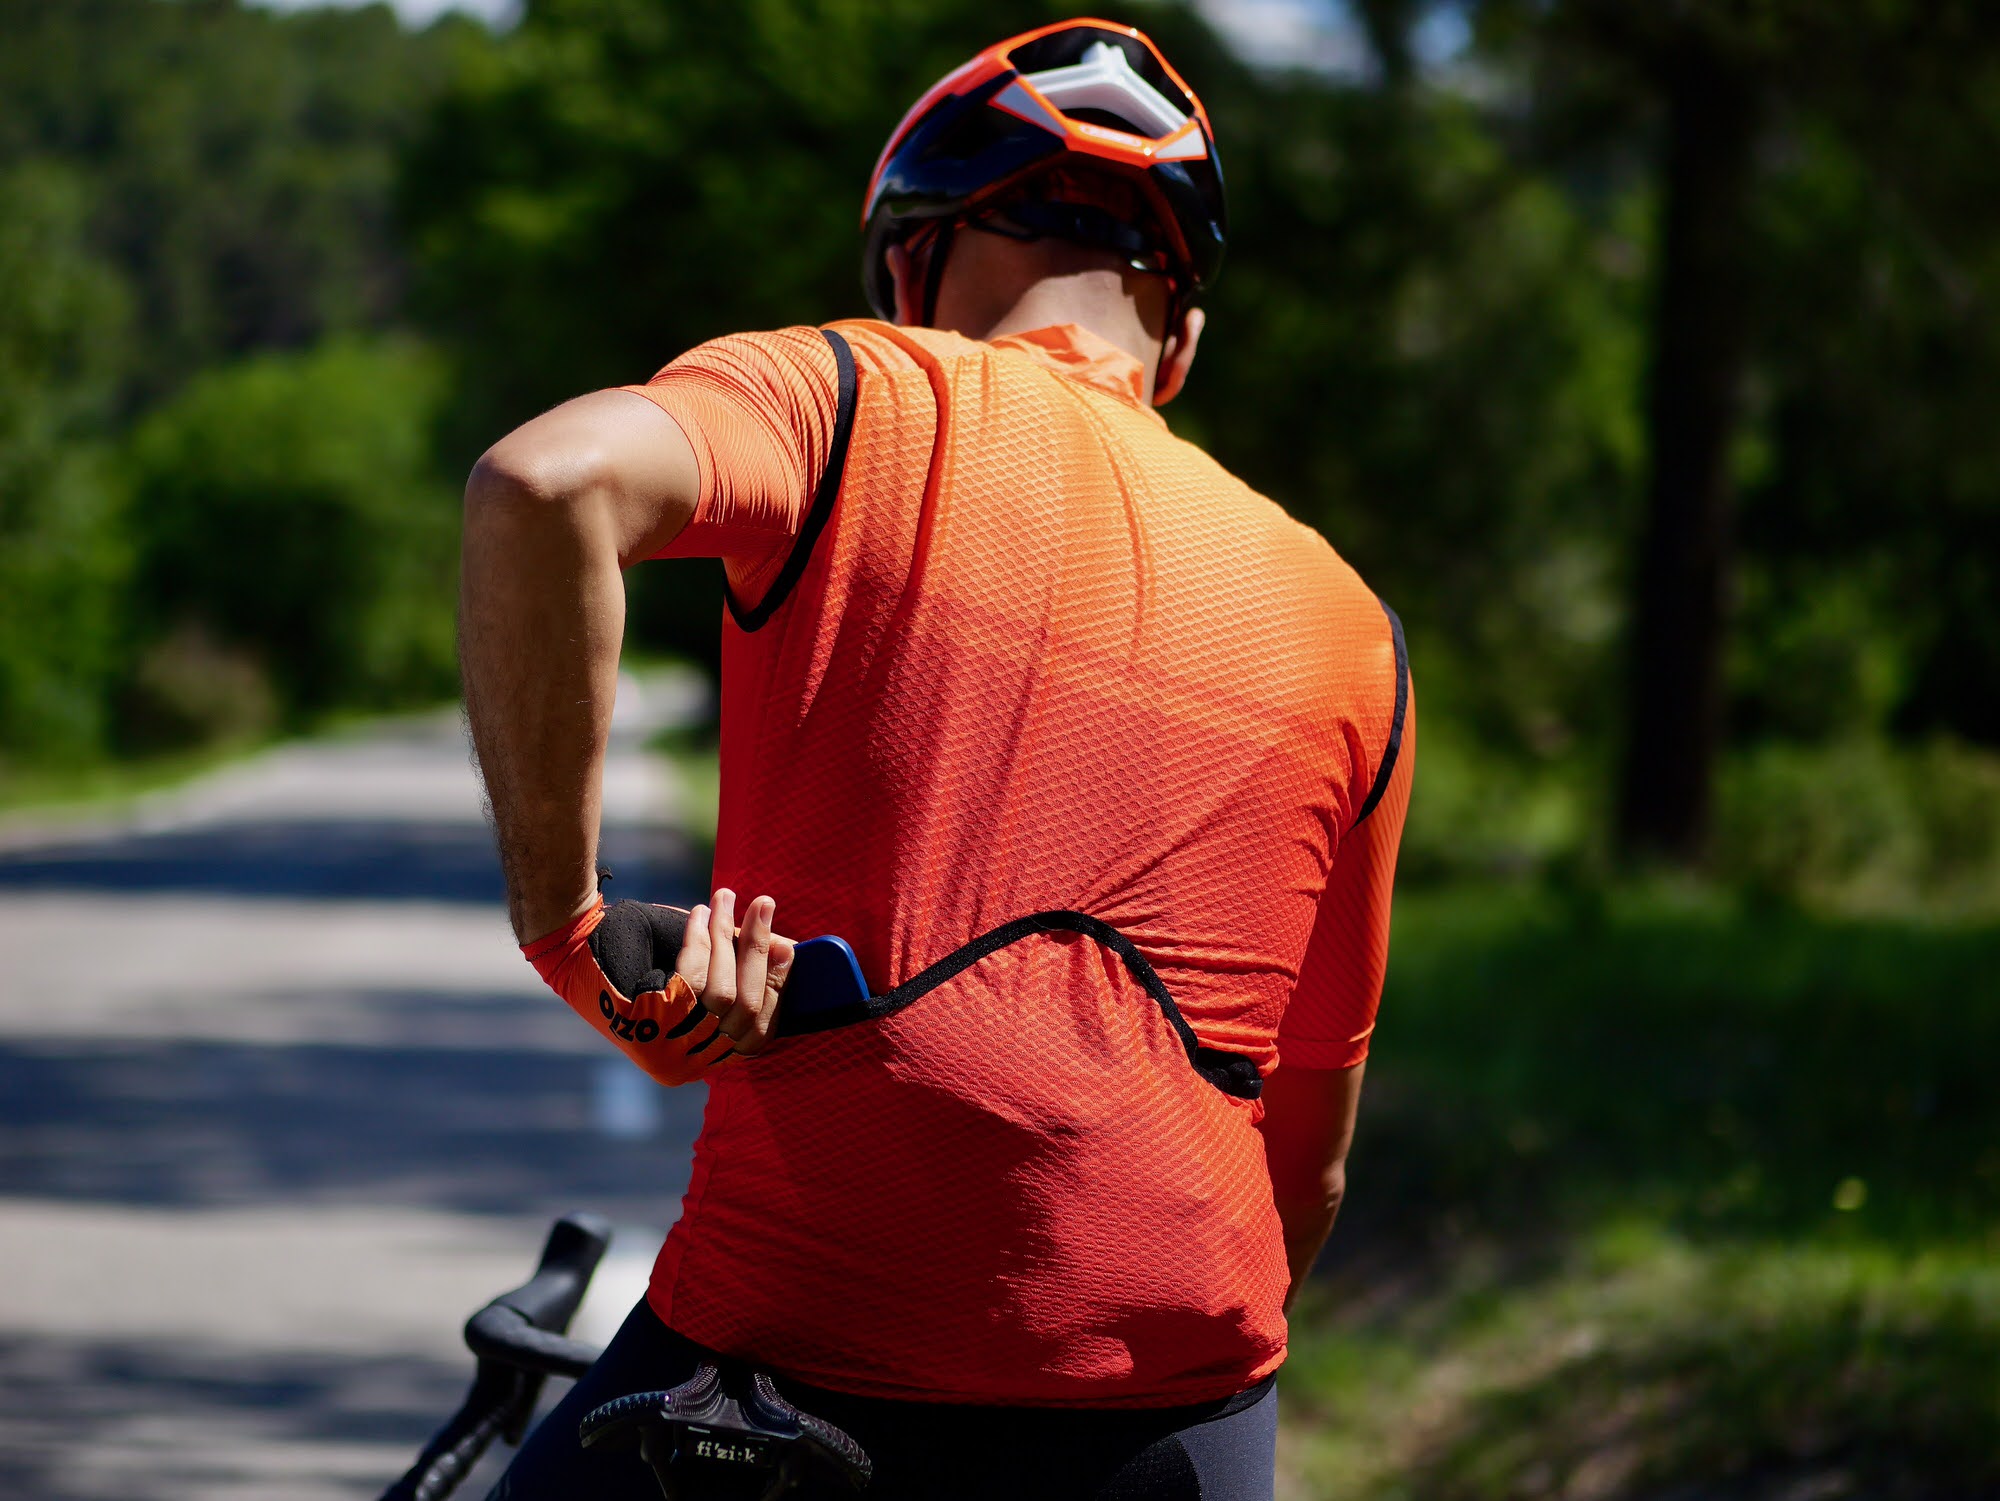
(280, 1104)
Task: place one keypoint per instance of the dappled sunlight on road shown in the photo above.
(280, 1105)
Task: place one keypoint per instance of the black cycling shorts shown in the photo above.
(930, 1451)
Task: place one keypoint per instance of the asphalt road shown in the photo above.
(280, 1105)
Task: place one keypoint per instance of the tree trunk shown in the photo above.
(1699, 350)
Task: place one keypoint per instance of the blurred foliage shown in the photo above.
(1848, 327)
(63, 562)
(237, 165)
(1553, 1057)
(1861, 824)
(289, 522)
(184, 183)
(1431, 341)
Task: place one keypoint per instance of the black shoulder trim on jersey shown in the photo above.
(1231, 1073)
(753, 618)
(1395, 747)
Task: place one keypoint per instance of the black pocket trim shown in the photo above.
(1231, 1073)
(1395, 747)
(753, 617)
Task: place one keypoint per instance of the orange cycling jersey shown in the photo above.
(1100, 762)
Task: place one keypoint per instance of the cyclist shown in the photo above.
(1097, 758)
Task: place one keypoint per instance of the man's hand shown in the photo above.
(737, 972)
(719, 1000)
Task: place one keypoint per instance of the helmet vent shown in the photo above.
(1103, 88)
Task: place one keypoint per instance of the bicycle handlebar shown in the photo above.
(503, 1333)
(519, 1340)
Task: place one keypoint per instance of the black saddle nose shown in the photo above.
(727, 1432)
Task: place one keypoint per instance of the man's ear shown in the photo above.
(1177, 356)
(906, 278)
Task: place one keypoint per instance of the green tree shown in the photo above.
(619, 180)
(1410, 347)
(183, 183)
(1823, 259)
(239, 161)
(287, 509)
(62, 554)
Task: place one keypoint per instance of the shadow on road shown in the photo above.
(139, 1420)
(334, 858)
(246, 1086)
(205, 1124)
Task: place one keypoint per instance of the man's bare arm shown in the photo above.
(553, 512)
(1308, 1128)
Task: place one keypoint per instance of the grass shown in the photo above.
(1660, 1194)
(102, 783)
(1649, 1367)
(94, 785)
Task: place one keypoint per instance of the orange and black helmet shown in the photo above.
(1034, 132)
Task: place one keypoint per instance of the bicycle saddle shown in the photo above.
(725, 1432)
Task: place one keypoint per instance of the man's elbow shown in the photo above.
(528, 510)
(1333, 1186)
(508, 478)
(1312, 1196)
(518, 477)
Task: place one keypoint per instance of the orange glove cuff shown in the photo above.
(667, 1032)
(547, 952)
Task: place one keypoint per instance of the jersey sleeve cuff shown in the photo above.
(1323, 1052)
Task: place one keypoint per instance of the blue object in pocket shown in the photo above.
(825, 988)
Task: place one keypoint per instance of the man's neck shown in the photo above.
(1115, 319)
(1102, 299)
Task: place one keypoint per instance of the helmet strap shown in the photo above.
(938, 252)
(1179, 300)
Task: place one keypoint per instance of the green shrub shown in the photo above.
(288, 515)
(1475, 811)
(1865, 824)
